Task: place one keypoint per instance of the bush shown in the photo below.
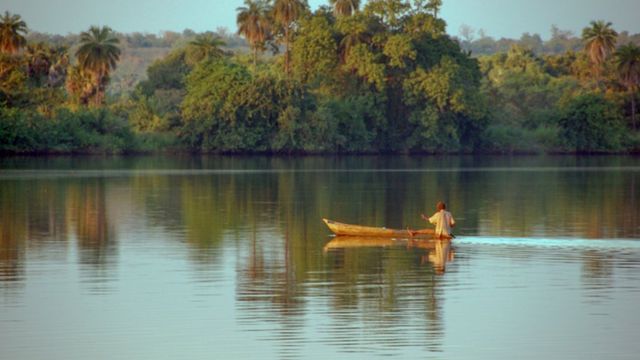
(590, 123)
(229, 109)
(509, 139)
(16, 132)
(91, 131)
(348, 125)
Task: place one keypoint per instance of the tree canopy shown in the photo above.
(381, 76)
(12, 33)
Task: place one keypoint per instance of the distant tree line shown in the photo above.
(479, 43)
(383, 77)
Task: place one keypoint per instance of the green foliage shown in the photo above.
(97, 56)
(80, 85)
(590, 123)
(85, 131)
(353, 30)
(13, 81)
(229, 110)
(204, 47)
(12, 31)
(352, 124)
(441, 86)
(255, 25)
(314, 50)
(448, 113)
(364, 63)
(520, 91)
(420, 24)
(160, 96)
(384, 79)
(143, 118)
(166, 73)
(389, 12)
(627, 62)
(399, 49)
(503, 138)
(98, 52)
(599, 41)
(433, 131)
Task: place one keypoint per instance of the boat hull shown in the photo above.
(342, 229)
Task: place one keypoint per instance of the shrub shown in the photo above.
(590, 123)
(94, 131)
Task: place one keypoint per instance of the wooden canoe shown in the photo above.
(370, 231)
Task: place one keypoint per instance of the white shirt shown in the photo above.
(443, 221)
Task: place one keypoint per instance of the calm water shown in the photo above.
(227, 258)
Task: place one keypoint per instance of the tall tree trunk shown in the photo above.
(633, 109)
(287, 59)
(99, 95)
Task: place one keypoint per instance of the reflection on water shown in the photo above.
(441, 255)
(227, 256)
(438, 252)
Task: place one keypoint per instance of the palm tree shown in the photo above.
(39, 59)
(599, 42)
(355, 31)
(434, 6)
(79, 85)
(12, 31)
(285, 13)
(627, 59)
(254, 24)
(205, 46)
(97, 55)
(58, 69)
(345, 7)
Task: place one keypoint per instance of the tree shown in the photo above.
(97, 55)
(204, 47)
(591, 123)
(254, 24)
(445, 109)
(314, 51)
(434, 6)
(80, 85)
(354, 30)
(12, 31)
(344, 7)
(227, 109)
(286, 13)
(627, 59)
(599, 42)
(13, 81)
(40, 58)
(389, 12)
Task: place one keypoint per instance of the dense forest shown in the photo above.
(383, 77)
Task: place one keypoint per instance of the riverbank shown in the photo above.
(102, 131)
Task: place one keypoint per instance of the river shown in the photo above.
(210, 257)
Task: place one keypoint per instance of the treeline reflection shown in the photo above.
(491, 197)
(269, 209)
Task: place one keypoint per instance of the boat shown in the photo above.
(342, 229)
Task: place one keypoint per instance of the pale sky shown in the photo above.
(499, 18)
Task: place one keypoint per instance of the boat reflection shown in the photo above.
(438, 251)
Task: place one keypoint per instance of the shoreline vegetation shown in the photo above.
(348, 78)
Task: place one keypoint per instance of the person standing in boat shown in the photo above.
(442, 219)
